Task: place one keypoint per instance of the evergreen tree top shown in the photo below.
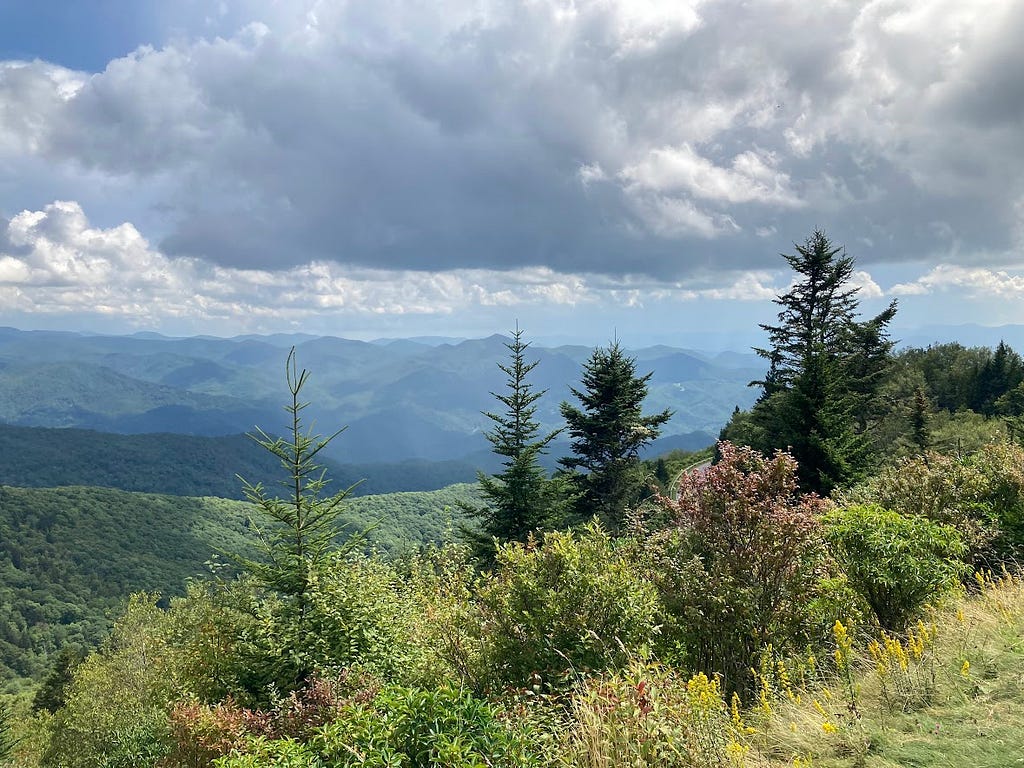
(610, 424)
(818, 313)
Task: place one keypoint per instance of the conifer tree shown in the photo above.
(520, 498)
(608, 431)
(919, 421)
(302, 527)
(50, 696)
(999, 374)
(825, 367)
(661, 474)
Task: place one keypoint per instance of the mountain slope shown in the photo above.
(70, 556)
(188, 465)
(402, 400)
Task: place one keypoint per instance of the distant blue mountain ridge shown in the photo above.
(404, 399)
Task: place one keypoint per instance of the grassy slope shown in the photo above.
(70, 556)
(970, 716)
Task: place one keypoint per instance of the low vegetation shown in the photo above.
(562, 655)
(865, 631)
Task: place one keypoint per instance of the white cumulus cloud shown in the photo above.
(976, 282)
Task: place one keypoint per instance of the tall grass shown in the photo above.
(948, 692)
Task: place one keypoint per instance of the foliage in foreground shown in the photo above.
(947, 689)
(562, 608)
(896, 562)
(736, 558)
(980, 494)
(399, 727)
(72, 555)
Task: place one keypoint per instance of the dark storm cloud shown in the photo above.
(608, 137)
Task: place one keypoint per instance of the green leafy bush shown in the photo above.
(115, 711)
(980, 494)
(400, 728)
(945, 489)
(445, 618)
(563, 606)
(1002, 465)
(897, 562)
(358, 617)
(247, 644)
(834, 599)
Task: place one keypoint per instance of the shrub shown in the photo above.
(201, 733)
(399, 728)
(245, 643)
(944, 489)
(561, 607)
(735, 559)
(981, 495)
(115, 710)
(358, 617)
(446, 619)
(897, 562)
(834, 599)
(1002, 465)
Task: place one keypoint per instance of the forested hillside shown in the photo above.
(71, 556)
(187, 465)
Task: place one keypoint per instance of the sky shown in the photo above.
(588, 168)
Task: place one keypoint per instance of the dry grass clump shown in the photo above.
(649, 715)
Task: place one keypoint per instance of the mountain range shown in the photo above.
(399, 400)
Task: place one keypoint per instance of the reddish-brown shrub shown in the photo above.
(202, 732)
(735, 557)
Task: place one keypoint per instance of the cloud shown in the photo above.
(866, 287)
(976, 282)
(750, 177)
(611, 137)
(57, 263)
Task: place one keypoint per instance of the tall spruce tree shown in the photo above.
(298, 534)
(919, 436)
(520, 498)
(819, 396)
(1000, 373)
(608, 431)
